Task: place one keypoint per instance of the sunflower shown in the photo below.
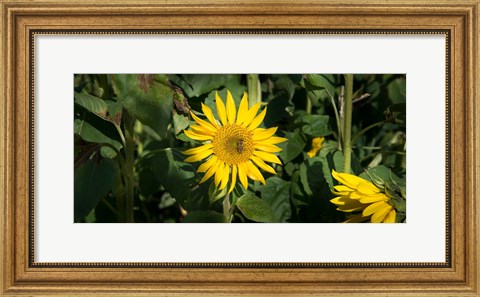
(316, 146)
(234, 145)
(357, 194)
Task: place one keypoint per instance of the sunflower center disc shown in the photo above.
(233, 144)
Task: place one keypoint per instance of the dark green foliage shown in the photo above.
(129, 141)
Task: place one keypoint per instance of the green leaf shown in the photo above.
(400, 217)
(114, 111)
(91, 134)
(322, 81)
(397, 90)
(199, 200)
(289, 168)
(174, 175)
(110, 111)
(205, 83)
(284, 86)
(280, 95)
(201, 84)
(312, 175)
(277, 194)
(215, 194)
(304, 179)
(179, 81)
(332, 160)
(255, 209)
(292, 147)
(87, 129)
(296, 191)
(92, 182)
(396, 195)
(295, 78)
(147, 183)
(91, 103)
(276, 111)
(180, 122)
(384, 173)
(148, 100)
(316, 125)
(204, 217)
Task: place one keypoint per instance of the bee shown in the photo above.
(240, 146)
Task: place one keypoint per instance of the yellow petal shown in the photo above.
(341, 188)
(226, 175)
(390, 218)
(199, 156)
(269, 148)
(201, 130)
(261, 134)
(373, 208)
(317, 142)
(210, 171)
(257, 120)
(347, 179)
(356, 195)
(219, 173)
(207, 164)
(204, 123)
(338, 200)
(199, 149)
(207, 111)
(197, 136)
(316, 146)
(242, 109)
(262, 165)
(373, 198)
(255, 172)
(346, 194)
(231, 111)
(367, 188)
(222, 113)
(378, 216)
(242, 175)
(348, 205)
(234, 178)
(274, 140)
(267, 157)
(250, 115)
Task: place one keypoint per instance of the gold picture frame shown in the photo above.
(22, 19)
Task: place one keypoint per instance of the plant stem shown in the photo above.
(308, 107)
(128, 171)
(347, 126)
(120, 195)
(119, 156)
(226, 208)
(254, 89)
(339, 124)
(122, 137)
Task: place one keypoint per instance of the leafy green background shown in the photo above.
(154, 111)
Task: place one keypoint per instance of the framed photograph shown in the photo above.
(183, 148)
